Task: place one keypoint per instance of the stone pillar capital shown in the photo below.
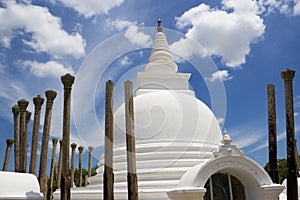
(28, 115)
(287, 75)
(15, 110)
(67, 81)
(60, 142)
(54, 141)
(80, 149)
(9, 142)
(23, 103)
(73, 146)
(50, 95)
(90, 148)
(38, 101)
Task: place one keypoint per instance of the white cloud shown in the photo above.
(2, 69)
(132, 32)
(221, 121)
(296, 10)
(226, 32)
(50, 68)
(119, 24)
(248, 140)
(136, 37)
(89, 8)
(44, 30)
(287, 7)
(125, 61)
(221, 75)
(11, 90)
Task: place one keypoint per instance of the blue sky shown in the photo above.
(250, 42)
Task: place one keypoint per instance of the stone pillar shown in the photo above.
(90, 148)
(273, 171)
(38, 102)
(292, 185)
(58, 174)
(28, 116)
(52, 169)
(9, 143)
(130, 142)
(16, 111)
(67, 81)
(22, 149)
(80, 149)
(73, 146)
(50, 95)
(108, 176)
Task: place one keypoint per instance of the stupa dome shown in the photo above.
(170, 117)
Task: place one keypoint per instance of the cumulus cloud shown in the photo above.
(221, 75)
(287, 7)
(227, 32)
(89, 8)
(48, 69)
(125, 61)
(45, 32)
(296, 9)
(132, 32)
(221, 120)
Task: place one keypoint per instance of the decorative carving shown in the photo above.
(67, 81)
(23, 103)
(38, 101)
(15, 110)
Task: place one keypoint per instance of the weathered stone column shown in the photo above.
(130, 142)
(50, 95)
(16, 110)
(9, 143)
(67, 81)
(22, 149)
(80, 149)
(52, 169)
(28, 116)
(38, 102)
(108, 176)
(58, 174)
(273, 171)
(73, 146)
(292, 185)
(90, 148)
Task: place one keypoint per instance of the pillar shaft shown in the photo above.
(9, 143)
(67, 81)
(108, 175)
(50, 95)
(38, 102)
(28, 116)
(130, 141)
(58, 175)
(80, 149)
(90, 148)
(52, 169)
(292, 185)
(23, 145)
(272, 134)
(73, 146)
(16, 111)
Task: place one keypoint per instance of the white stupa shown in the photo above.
(180, 150)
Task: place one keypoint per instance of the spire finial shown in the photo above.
(159, 26)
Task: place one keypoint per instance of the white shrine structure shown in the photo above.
(180, 150)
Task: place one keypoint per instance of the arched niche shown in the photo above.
(257, 183)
